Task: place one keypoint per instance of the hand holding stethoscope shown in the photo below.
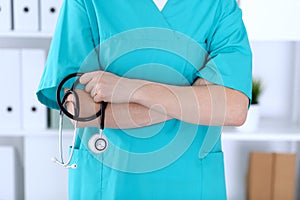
(98, 143)
(109, 87)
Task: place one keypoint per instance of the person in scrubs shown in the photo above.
(173, 73)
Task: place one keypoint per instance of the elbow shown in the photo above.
(237, 116)
(237, 109)
(239, 119)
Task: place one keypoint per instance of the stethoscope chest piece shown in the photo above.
(98, 143)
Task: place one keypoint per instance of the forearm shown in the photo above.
(198, 104)
(132, 115)
(119, 115)
(202, 103)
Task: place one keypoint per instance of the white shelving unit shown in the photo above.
(275, 36)
(30, 158)
(273, 134)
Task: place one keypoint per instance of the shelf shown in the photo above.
(262, 136)
(24, 35)
(269, 130)
(20, 40)
(21, 133)
(268, 38)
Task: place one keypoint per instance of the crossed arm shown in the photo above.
(137, 103)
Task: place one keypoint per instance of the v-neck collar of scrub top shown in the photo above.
(174, 15)
(157, 12)
(160, 4)
(165, 18)
(109, 22)
(144, 13)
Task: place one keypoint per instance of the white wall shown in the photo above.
(273, 62)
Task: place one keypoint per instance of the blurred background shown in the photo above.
(261, 157)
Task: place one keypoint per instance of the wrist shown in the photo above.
(140, 92)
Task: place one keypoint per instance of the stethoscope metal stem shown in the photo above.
(61, 123)
(60, 148)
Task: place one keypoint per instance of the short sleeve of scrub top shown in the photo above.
(170, 160)
(70, 45)
(230, 58)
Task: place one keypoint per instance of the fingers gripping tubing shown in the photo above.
(61, 101)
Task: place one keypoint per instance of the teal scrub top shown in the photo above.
(132, 38)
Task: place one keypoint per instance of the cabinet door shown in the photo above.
(43, 178)
(272, 20)
(8, 173)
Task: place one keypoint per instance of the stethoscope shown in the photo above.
(98, 143)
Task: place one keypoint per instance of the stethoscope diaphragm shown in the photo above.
(98, 143)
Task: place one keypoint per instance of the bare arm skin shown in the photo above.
(207, 105)
(131, 101)
(117, 115)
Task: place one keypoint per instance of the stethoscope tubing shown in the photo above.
(71, 91)
(62, 103)
(67, 164)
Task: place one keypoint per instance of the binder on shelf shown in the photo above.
(49, 10)
(34, 113)
(5, 15)
(10, 100)
(8, 173)
(26, 16)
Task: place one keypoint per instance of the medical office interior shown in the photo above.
(261, 159)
